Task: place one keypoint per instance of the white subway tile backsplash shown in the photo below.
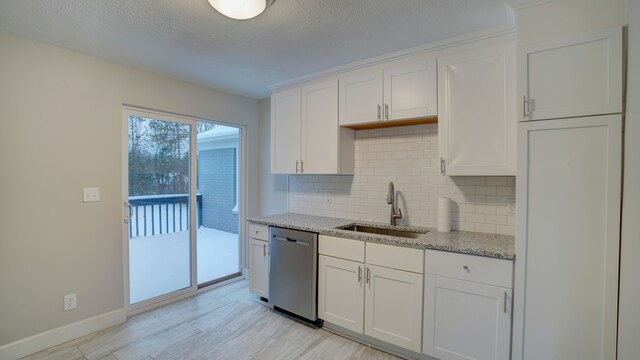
(496, 180)
(408, 156)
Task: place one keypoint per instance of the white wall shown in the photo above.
(60, 131)
(408, 156)
(273, 188)
(629, 321)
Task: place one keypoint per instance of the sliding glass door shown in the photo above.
(218, 185)
(159, 200)
(182, 205)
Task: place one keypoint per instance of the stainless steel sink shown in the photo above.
(383, 231)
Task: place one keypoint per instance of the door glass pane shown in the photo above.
(218, 243)
(159, 228)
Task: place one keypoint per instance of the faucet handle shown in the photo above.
(397, 215)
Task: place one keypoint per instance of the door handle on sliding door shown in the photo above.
(130, 212)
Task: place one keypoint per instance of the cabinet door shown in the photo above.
(259, 268)
(410, 90)
(285, 131)
(341, 292)
(361, 98)
(568, 238)
(464, 320)
(572, 77)
(476, 119)
(320, 128)
(393, 306)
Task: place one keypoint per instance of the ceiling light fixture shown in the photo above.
(241, 9)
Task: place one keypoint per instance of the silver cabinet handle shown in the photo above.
(524, 106)
(442, 169)
(296, 166)
(301, 167)
(379, 112)
(466, 268)
(369, 277)
(386, 111)
(264, 250)
(505, 302)
(359, 274)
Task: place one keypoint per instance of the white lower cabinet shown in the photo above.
(259, 260)
(393, 306)
(379, 301)
(465, 319)
(259, 268)
(341, 292)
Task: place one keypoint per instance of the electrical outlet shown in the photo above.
(511, 205)
(90, 194)
(70, 302)
(327, 197)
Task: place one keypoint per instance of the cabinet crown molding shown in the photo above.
(507, 29)
(521, 4)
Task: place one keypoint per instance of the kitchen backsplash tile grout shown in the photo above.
(408, 156)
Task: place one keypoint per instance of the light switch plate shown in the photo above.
(90, 194)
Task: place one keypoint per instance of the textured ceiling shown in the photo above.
(188, 39)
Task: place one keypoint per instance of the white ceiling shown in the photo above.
(189, 40)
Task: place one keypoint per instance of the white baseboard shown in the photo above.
(47, 339)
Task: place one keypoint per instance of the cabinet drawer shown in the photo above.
(395, 257)
(479, 269)
(341, 248)
(259, 232)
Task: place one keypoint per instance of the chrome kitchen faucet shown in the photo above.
(391, 199)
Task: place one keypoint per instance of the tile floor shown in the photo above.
(225, 323)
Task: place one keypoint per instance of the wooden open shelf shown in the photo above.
(387, 124)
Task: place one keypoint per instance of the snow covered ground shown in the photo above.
(160, 264)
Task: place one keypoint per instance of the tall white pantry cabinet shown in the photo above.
(568, 189)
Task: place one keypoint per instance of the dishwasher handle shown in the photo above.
(299, 242)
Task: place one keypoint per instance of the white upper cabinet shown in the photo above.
(305, 136)
(410, 90)
(477, 111)
(404, 89)
(285, 131)
(578, 76)
(361, 98)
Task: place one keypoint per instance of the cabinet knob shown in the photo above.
(466, 268)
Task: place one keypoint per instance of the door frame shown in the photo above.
(130, 110)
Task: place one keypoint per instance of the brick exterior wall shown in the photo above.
(218, 185)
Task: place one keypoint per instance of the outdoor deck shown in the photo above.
(160, 263)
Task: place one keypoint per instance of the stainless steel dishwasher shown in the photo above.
(293, 273)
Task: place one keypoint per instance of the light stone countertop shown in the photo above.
(465, 242)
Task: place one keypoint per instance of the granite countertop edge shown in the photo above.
(464, 242)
